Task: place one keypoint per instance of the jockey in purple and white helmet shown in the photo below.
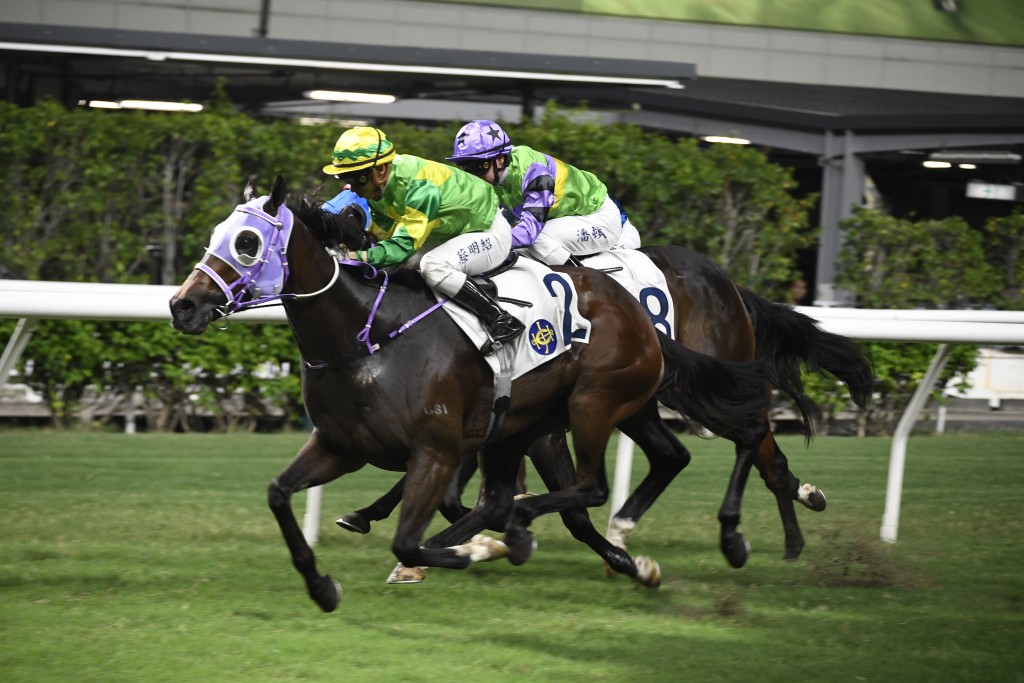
(560, 212)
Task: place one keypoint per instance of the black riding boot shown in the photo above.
(501, 325)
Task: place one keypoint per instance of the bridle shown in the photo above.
(261, 278)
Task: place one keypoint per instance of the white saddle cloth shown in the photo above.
(545, 302)
(638, 274)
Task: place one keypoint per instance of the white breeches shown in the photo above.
(630, 238)
(446, 266)
(578, 235)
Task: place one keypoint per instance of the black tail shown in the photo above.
(787, 340)
(718, 395)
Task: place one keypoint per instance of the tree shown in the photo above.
(1004, 242)
(890, 262)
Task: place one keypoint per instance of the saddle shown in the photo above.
(484, 280)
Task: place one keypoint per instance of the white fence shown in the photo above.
(31, 300)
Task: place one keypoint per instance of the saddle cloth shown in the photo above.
(638, 274)
(545, 302)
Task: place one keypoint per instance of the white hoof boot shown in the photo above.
(403, 574)
(483, 548)
(812, 497)
(648, 572)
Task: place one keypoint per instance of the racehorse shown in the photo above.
(717, 318)
(419, 407)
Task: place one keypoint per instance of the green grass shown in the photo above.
(153, 557)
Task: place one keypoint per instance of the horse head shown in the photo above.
(246, 262)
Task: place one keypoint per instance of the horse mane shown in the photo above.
(334, 231)
(340, 233)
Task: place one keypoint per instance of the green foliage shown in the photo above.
(1004, 241)
(889, 262)
(118, 196)
(224, 381)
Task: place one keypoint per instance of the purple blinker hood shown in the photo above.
(262, 276)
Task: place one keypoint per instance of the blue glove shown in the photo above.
(346, 198)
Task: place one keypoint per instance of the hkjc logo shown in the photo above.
(543, 338)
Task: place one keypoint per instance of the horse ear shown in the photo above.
(250, 192)
(278, 194)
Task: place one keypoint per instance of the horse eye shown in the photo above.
(247, 247)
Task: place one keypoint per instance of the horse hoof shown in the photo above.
(609, 573)
(403, 574)
(736, 551)
(648, 572)
(326, 593)
(520, 551)
(354, 522)
(812, 497)
(793, 550)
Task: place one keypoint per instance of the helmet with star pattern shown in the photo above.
(478, 140)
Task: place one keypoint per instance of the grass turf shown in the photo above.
(153, 557)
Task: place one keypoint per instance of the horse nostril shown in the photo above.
(181, 308)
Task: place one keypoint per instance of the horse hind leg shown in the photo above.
(359, 521)
(667, 457)
(553, 462)
(749, 439)
(774, 469)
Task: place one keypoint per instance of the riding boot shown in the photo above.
(500, 325)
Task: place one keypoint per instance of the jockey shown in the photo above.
(561, 212)
(416, 203)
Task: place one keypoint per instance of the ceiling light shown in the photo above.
(156, 105)
(338, 96)
(725, 140)
(160, 55)
(936, 164)
(320, 121)
(151, 105)
(977, 156)
(967, 167)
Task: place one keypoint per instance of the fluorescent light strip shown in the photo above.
(156, 55)
(726, 140)
(338, 96)
(151, 105)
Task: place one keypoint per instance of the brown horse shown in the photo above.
(376, 398)
(717, 318)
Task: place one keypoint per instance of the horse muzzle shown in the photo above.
(192, 317)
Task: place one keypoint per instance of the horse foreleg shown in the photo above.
(430, 471)
(452, 507)
(359, 521)
(313, 466)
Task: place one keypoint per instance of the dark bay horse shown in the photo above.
(420, 407)
(717, 318)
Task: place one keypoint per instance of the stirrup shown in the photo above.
(513, 328)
